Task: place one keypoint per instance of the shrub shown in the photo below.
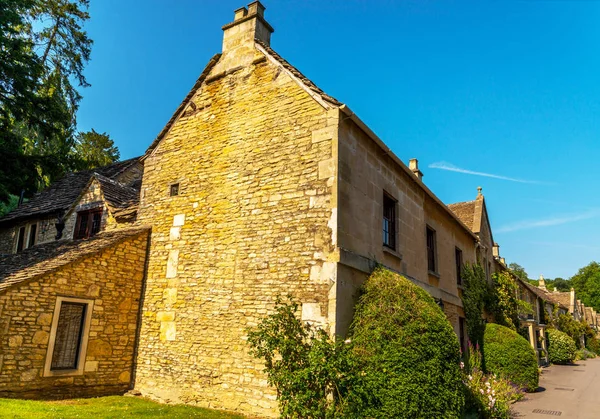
(583, 354)
(593, 345)
(510, 356)
(312, 374)
(474, 297)
(409, 352)
(575, 329)
(561, 348)
(503, 303)
(487, 395)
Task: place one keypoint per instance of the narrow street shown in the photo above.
(568, 391)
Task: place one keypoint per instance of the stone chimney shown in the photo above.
(413, 165)
(496, 250)
(542, 284)
(572, 302)
(248, 24)
(503, 261)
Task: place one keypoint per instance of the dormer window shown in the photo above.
(26, 237)
(88, 223)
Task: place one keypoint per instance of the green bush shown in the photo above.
(409, 352)
(509, 355)
(314, 376)
(583, 354)
(593, 345)
(561, 348)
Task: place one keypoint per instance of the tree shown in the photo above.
(42, 48)
(519, 271)
(587, 284)
(93, 149)
(561, 284)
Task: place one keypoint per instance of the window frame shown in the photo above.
(26, 229)
(83, 342)
(434, 259)
(458, 258)
(172, 186)
(89, 213)
(392, 242)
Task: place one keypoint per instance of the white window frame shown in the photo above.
(48, 372)
(26, 236)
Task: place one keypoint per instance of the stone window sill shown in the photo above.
(437, 275)
(392, 252)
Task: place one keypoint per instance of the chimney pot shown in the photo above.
(256, 8)
(239, 14)
(413, 165)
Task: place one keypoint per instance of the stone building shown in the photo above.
(55, 209)
(259, 186)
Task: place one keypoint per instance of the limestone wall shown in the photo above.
(254, 220)
(113, 280)
(365, 173)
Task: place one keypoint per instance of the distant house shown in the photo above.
(74, 206)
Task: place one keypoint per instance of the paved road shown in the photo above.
(567, 391)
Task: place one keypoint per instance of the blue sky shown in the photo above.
(508, 88)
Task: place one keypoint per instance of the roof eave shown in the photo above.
(348, 112)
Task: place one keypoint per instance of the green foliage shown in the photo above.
(503, 302)
(561, 348)
(314, 376)
(593, 345)
(475, 294)
(510, 356)
(575, 329)
(519, 271)
(93, 149)
(42, 49)
(487, 395)
(587, 284)
(583, 354)
(409, 352)
(12, 203)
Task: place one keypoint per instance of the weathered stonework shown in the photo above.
(112, 279)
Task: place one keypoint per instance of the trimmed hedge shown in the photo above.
(561, 347)
(410, 354)
(509, 355)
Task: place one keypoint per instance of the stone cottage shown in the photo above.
(259, 186)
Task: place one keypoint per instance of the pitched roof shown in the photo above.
(563, 298)
(297, 74)
(544, 295)
(47, 257)
(466, 212)
(61, 194)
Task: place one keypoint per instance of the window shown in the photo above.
(389, 222)
(459, 264)
(68, 336)
(32, 235)
(88, 223)
(21, 239)
(431, 251)
(462, 336)
(174, 189)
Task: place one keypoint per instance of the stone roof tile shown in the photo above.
(47, 257)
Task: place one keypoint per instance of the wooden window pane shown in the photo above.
(431, 250)
(389, 222)
(69, 332)
(174, 189)
(82, 222)
(21, 240)
(32, 235)
(459, 265)
(96, 221)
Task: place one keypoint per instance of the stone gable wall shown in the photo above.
(254, 220)
(113, 280)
